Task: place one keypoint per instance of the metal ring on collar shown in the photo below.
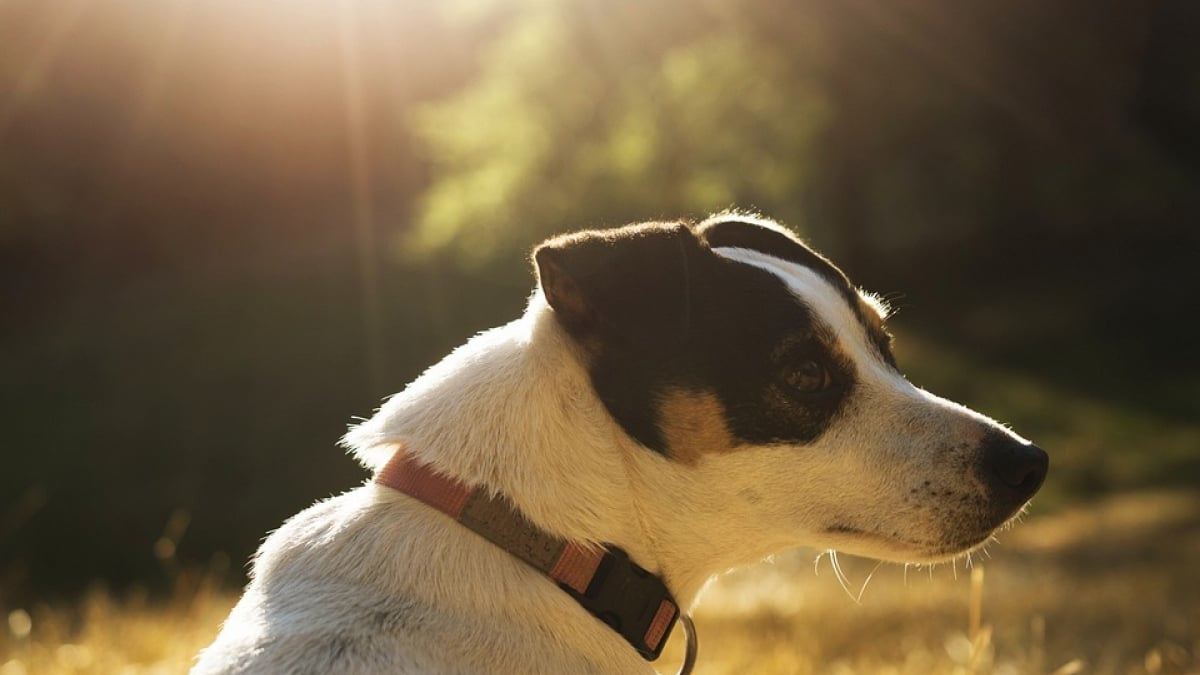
(693, 645)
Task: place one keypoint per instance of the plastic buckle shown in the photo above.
(632, 601)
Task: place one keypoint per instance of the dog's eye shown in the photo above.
(809, 377)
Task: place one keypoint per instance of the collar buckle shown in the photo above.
(632, 601)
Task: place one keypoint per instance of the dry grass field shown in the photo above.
(1106, 584)
(1110, 588)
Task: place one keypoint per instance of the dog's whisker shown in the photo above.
(863, 588)
(817, 563)
(841, 576)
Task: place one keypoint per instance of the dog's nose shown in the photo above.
(1014, 470)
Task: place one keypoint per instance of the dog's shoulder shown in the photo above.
(314, 603)
(371, 582)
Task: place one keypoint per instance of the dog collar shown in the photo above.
(613, 588)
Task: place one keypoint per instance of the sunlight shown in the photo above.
(32, 74)
(293, 89)
(258, 80)
(360, 191)
(162, 53)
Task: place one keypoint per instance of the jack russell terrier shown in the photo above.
(677, 400)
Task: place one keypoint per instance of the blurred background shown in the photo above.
(229, 228)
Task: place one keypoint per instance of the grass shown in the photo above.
(106, 635)
(1102, 577)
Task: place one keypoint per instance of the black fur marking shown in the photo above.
(657, 310)
(614, 287)
(742, 234)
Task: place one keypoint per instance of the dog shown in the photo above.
(677, 400)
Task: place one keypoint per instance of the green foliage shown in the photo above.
(566, 127)
(911, 143)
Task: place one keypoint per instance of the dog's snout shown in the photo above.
(1013, 470)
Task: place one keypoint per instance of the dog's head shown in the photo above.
(733, 344)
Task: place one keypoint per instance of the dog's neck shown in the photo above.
(514, 410)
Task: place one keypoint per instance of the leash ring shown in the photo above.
(693, 645)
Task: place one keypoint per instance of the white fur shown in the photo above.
(373, 582)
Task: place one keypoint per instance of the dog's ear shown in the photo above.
(623, 284)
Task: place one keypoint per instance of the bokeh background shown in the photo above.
(227, 228)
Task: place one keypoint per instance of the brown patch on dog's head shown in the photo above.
(694, 423)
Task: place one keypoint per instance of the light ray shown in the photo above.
(162, 60)
(361, 192)
(40, 63)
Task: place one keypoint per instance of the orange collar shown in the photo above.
(616, 590)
